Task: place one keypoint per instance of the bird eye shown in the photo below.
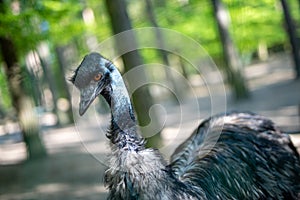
(97, 77)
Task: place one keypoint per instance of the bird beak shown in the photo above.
(87, 96)
(84, 104)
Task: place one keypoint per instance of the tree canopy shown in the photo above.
(253, 23)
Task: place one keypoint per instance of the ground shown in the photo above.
(77, 155)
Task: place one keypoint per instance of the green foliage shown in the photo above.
(252, 22)
(28, 22)
(63, 19)
(40, 20)
(5, 101)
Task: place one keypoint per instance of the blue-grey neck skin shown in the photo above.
(123, 124)
(135, 170)
(123, 131)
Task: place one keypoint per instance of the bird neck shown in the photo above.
(132, 166)
(123, 130)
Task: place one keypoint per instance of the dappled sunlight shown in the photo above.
(51, 188)
(60, 139)
(12, 147)
(86, 191)
(12, 153)
(286, 116)
(48, 119)
(9, 128)
(52, 191)
(296, 140)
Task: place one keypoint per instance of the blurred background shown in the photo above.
(254, 44)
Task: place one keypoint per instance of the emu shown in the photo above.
(252, 158)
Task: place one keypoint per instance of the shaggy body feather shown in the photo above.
(230, 156)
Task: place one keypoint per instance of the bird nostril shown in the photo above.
(97, 77)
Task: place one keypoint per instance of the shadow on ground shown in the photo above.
(64, 175)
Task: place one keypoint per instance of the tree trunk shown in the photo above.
(233, 64)
(23, 105)
(61, 77)
(142, 99)
(292, 34)
(163, 54)
(160, 3)
(51, 82)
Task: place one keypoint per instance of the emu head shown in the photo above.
(92, 77)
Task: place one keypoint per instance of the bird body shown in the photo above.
(229, 156)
